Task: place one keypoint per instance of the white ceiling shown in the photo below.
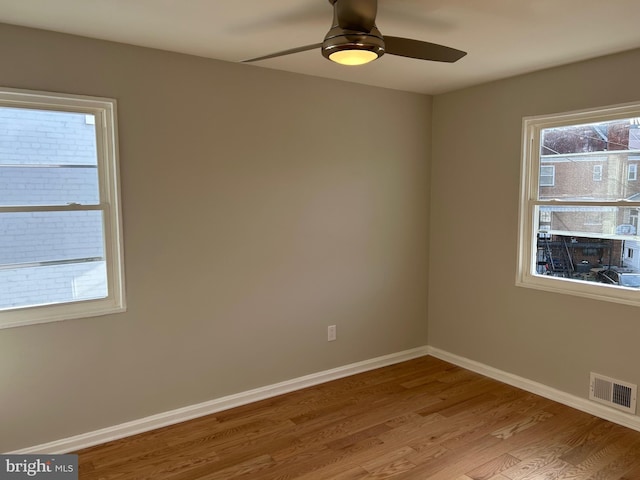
(502, 37)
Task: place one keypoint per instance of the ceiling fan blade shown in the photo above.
(284, 52)
(357, 15)
(406, 47)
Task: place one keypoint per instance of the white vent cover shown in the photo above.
(616, 394)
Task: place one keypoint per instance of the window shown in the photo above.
(597, 173)
(547, 175)
(574, 233)
(545, 217)
(60, 232)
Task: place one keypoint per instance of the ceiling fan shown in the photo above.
(354, 39)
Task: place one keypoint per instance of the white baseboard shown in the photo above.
(579, 403)
(172, 417)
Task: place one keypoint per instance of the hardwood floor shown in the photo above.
(421, 419)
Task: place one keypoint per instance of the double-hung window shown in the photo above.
(574, 231)
(60, 229)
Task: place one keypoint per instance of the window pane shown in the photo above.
(45, 137)
(34, 237)
(50, 284)
(602, 260)
(575, 151)
(51, 257)
(47, 157)
(595, 222)
(588, 243)
(48, 186)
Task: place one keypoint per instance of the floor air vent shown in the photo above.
(616, 394)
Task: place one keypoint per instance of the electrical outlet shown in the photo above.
(331, 333)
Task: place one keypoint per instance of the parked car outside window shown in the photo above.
(614, 277)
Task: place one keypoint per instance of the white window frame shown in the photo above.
(104, 111)
(529, 203)
(632, 174)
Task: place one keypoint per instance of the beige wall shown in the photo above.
(259, 208)
(475, 310)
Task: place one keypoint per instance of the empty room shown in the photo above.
(319, 239)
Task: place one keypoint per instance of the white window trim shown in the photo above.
(529, 179)
(632, 174)
(104, 110)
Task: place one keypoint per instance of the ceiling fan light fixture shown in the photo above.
(353, 48)
(353, 56)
